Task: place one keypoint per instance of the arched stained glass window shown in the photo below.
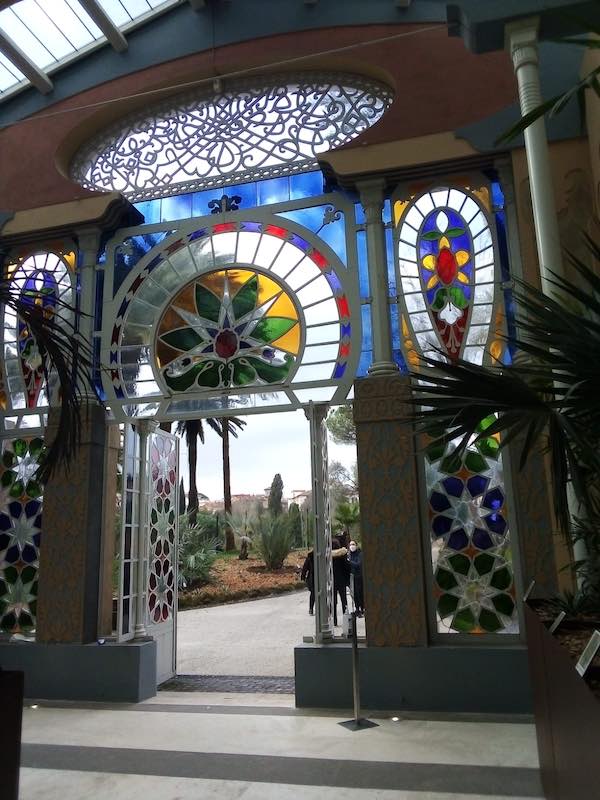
(250, 131)
(446, 266)
(45, 279)
(239, 314)
(449, 275)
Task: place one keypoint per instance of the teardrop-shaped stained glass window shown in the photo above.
(446, 267)
(446, 270)
(248, 132)
(45, 280)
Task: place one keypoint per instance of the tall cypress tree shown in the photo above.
(275, 495)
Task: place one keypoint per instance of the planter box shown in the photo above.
(11, 712)
(567, 718)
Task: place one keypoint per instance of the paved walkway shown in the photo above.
(259, 747)
(253, 638)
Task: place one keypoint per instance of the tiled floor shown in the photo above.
(192, 746)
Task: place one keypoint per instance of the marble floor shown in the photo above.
(200, 746)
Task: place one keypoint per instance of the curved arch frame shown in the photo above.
(329, 380)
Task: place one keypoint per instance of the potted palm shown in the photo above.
(549, 398)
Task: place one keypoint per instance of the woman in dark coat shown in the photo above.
(355, 562)
(308, 576)
(341, 576)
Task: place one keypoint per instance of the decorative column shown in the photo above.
(145, 428)
(390, 518)
(522, 43)
(372, 198)
(323, 572)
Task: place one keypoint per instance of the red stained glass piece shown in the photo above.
(344, 351)
(446, 266)
(274, 230)
(224, 227)
(319, 259)
(226, 344)
(342, 305)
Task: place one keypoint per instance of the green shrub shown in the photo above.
(197, 552)
(273, 539)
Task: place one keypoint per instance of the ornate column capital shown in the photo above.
(145, 426)
(372, 198)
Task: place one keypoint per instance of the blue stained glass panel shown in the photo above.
(276, 190)
(395, 326)
(391, 270)
(387, 211)
(99, 300)
(497, 195)
(363, 267)
(401, 361)
(366, 355)
(359, 213)
(366, 359)
(177, 207)
(131, 250)
(151, 210)
(308, 184)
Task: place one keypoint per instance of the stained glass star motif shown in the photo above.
(18, 596)
(22, 530)
(228, 328)
(474, 592)
(25, 467)
(433, 474)
(465, 512)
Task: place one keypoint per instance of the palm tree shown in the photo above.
(549, 397)
(193, 429)
(347, 515)
(67, 355)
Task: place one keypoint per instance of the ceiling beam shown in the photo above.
(106, 25)
(32, 72)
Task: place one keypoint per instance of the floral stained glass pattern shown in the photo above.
(20, 532)
(446, 268)
(162, 526)
(472, 555)
(43, 280)
(228, 328)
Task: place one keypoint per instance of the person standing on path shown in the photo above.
(308, 576)
(341, 576)
(355, 563)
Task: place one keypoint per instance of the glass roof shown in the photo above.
(53, 32)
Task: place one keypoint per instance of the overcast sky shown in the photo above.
(268, 444)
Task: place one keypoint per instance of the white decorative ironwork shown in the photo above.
(239, 314)
(249, 132)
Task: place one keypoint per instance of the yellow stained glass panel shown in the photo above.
(290, 342)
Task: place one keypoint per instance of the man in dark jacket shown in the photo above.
(308, 576)
(355, 562)
(341, 576)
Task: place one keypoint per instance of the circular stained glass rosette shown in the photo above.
(228, 328)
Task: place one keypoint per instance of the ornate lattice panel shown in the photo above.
(329, 594)
(450, 306)
(20, 532)
(162, 526)
(44, 279)
(251, 131)
(239, 315)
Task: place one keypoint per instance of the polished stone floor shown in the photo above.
(205, 746)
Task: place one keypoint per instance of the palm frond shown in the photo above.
(66, 354)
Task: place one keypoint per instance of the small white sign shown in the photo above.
(588, 654)
(557, 621)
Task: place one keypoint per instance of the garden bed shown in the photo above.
(233, 580)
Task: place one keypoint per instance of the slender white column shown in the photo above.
(522, 43)
(145, 429)
(372, 198)
(322, 571)
(89, 241)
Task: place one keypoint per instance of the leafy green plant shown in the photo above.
(273, 539)
(197, 552)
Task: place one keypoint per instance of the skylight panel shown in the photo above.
(116, 11)
(9, 74)
(23, 37)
